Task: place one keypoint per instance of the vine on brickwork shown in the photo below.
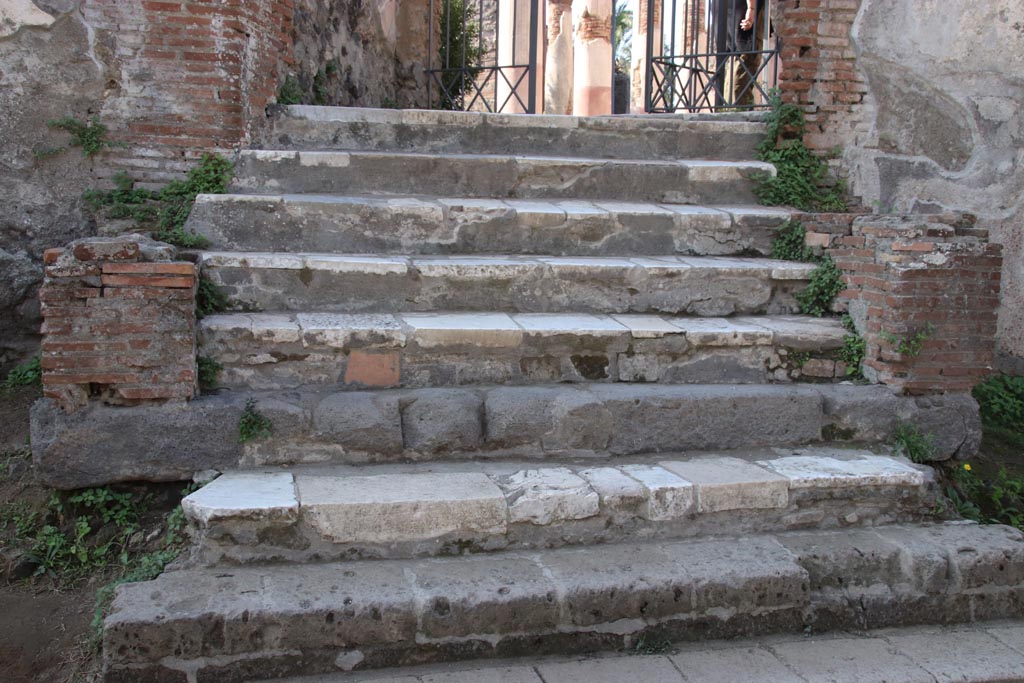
(802, 179)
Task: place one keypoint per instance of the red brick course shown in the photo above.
(118, 323)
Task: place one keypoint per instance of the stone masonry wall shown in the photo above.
(925, 101)
(119, 323)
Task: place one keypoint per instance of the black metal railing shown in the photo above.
(702, 58)
(483, 55)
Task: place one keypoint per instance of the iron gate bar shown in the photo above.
(709, 79)
(463, 86)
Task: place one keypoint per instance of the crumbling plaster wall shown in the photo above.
(943, 125)
(50, 67)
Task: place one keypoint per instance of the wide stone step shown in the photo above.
(453, 225)
(704, 286)
(236, 624)
(613, 137)
(348, 513)
(101, 444)
(498, 176)
(355, 351)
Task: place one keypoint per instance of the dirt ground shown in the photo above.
(44, 632)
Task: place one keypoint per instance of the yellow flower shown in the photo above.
(967, 466)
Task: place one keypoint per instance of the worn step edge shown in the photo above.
(100, 444)
(529, 284)
(367, 224)
(647, 137)
(415, 510)
(496, 175)
(234, 624)
(357, 351)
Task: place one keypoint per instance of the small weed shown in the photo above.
(653, 646)
(853, 350)
(29, 374)
(290, 92)
(210, 299)
(90, 136)
(989, 500)
(826, 283)
(911, 345)
(164, 211)
(912, 443)
(209, 372)
(790, 243)
(253, 425)
(801, 178)
(798, 359)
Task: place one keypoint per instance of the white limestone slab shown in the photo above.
(799, 332)
(325, 159)
(646, 326)
(668, 495)
(226, 322)
(587, 262)
(634, 208)
(262, 496)
(391, 508)
(491, 330)
(731, 484)
(740, 213)
(579, 208)
(276, 328)
(251, 259)
(790, 270)
(549, 324)
(475, 267)
(362, 265)
(270, 155)
(810, 471)
(338, 330)
(722, 332)
(548, 496)
(617, 490)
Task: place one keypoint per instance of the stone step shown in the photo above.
(240, 623)
(682, 285)
(498, 176)
(100, 444)
(267, 351)
(612, 137)
(401, 511)
(459, 225)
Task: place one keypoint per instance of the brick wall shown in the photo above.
(819, 68)
(118, 323)
(932, 276)
(189, 77)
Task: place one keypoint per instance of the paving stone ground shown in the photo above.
(978, 653)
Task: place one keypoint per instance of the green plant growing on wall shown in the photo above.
(90, 136)
(911, 345)
(166, 210)
(790, 243)
(460, 52)
(826, 283)
(853, 350)
(290, 92)
(253, 425)
(914, 444)
(210, 299)
(209, 372)
(28, 374)
(801, 179)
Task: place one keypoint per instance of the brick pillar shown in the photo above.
(118, 323)
(906, 273)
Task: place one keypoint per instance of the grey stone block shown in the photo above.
(365, 422)
(655, 418)
(701, 664)
(647, 669)
(106, 444)
(440, 420)
(953, 655)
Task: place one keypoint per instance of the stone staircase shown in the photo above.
(526, 403)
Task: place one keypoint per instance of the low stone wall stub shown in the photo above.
(119, 323)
